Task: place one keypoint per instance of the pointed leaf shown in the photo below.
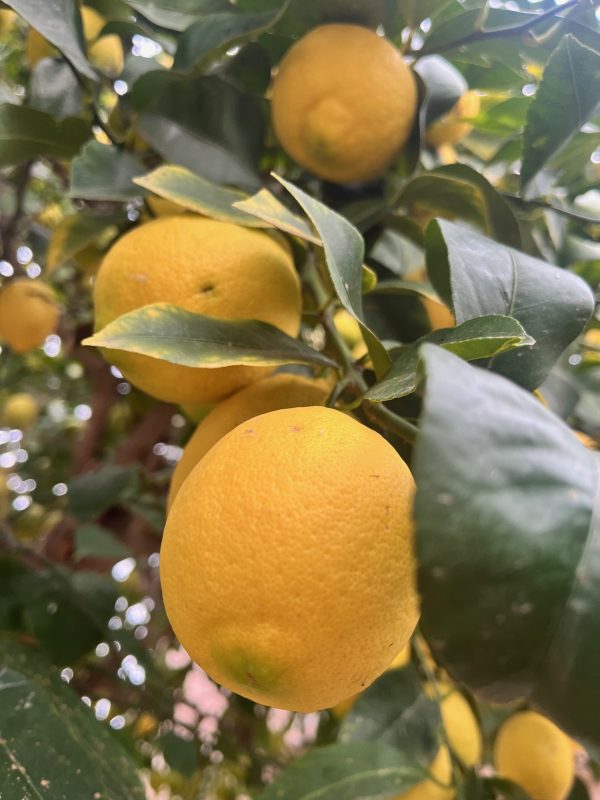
(59, 22)
(177, 15)
(568, 96)
(26, 133)
(346, 772)
(191, 191)
(51, 744)
(264, 205)
(104, 172)
(478, 338)
(507, 544)
(166, 332)
(477, 276)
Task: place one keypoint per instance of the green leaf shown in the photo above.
(73, 234)
(26, 133)
(215, 32)
(197, 194)
(91, 494)
(66, 612)
(458, 190)
(11, 573)
(346, 772)
(567, 97)
(52, 745)
(104, 172)
(177, 15)
(344, 251)
(476, 276)
(60, 23)
(54, 89)
(264, 205)
(444, 84)
(508, 544)
(394, 711)
(204, 124)
(170, 333)
(483, 337)
(93, 541)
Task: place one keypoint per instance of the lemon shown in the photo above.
(105, 53)
(162, 207)
(278, 391)
(204, 266)
(348, 328)
(453, 126)
(438, 787)
(343, 103)
(461, 726)
(287, 562)
(28, 313)
(531, 751)
(20, 410)
(7, 21)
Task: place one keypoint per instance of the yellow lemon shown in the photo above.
(20, 410)
(28, 313)
(162, 207)
(461, 726)
(204, 266)
(348, 328)
(295, 528)
(439, 786)
(531, 751)
(7, 21)
(278, 391)
(343, 103)
(453, 126)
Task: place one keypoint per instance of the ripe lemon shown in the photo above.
(28, 313)
(452, 127)
(461, 726)
(7, 21)
(343, 103)
(348, 328)
(531, 751)
(287, 562)
(278, 391)
(106, 53)
(204, 266)
(438, 787)
(20, 410)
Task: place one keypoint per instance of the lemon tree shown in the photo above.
(299, 399)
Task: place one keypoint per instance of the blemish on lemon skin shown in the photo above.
(295, 428)
(140, 277)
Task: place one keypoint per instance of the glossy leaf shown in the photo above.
(94, 492)
(74, 233)
(215, 32)
(26, 133)
(344, 252)
(104, 172)
(191, 191)
(444, 84)
(55, 89)
(195, 340)
(52, 745)
(204, 124)
(505, 508)
(265, 206)
(567, 97)
(59, 22)
(346, 772)
(394, 711)
(483, 337)
(177, 15)
(476, 276)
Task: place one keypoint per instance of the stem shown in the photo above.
(391, 422)
(498, 33)
(546, 206)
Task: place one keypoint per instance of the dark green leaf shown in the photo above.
(177, 15)
(104, 172)
(180, 754)
(11, 573)
(66, 612)
(59, 22)
(344, 252)
(170, 333)
(483, 337)
(204, 124)
(249, 69)
(91, 494)
(55, 90)
(191, 191)
(567, 97)
(52, 745)
(92, 541)
(346, 772)
(215, 32)
(26, 133)
(394, 711)
(506, 543)
(476, 277)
